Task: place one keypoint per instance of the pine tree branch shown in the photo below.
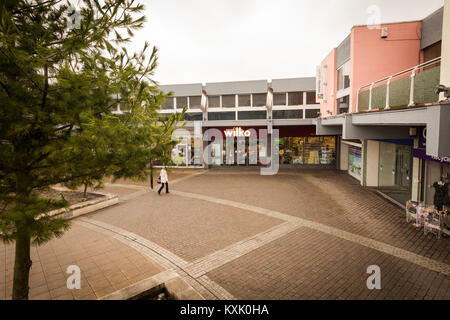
(5, 88)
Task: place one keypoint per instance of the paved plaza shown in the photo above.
(234, 234)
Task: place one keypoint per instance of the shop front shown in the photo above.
(395, 169)
(435, 171)
(432, 208)
(298, 146)
(311, 150)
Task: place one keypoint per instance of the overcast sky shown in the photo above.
(228, 40)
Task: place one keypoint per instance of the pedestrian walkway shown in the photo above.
(106, 265)
(233, 234)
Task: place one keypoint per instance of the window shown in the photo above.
(245, 115)
(228, 101)
(259, 99)
(343, 76)
(181, 102)
(295, 98)
(342, 105)
(214, 102)
(279, 99)
(195, 102)
(192, 117)
(244, 100)
(312, 113)
(287, 114)
(221, 115)
(307, 150)
(311, 97)
(168, 104)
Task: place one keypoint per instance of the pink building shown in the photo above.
(367, 55)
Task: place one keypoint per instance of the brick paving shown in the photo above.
(324, 196)
(189, 228)
(302, 234)
(106, 265)
(307, 264)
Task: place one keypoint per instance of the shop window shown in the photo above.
(311, 97)
(279, 99)
(228, 101)
(287, 114)
(181, 102)
(307, 150)
(244, 100)
(295, 98)
(168, 104)
(221, 116)
(195, 102)
(354, 162)
(246, 115)
(183, 153)
(214, 102)
(312, 113)
(259, 99)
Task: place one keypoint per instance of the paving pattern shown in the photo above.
(106, 265)
(302, 234)
(330, 228)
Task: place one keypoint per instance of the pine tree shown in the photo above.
(63, 72)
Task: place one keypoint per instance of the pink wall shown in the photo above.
(374, 58)
(330, 80)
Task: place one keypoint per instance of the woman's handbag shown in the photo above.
(159, 180)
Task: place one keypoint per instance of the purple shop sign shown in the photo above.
(420, 153)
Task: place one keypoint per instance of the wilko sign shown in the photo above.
(237, 132)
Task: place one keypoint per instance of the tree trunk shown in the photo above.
(85, 190)
(22, 267)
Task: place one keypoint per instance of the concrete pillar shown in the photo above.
(343, 157)
(371, 164)
(445, 55)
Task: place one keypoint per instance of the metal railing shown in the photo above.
(381, 96)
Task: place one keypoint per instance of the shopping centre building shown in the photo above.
(372, 110)
(244, 109)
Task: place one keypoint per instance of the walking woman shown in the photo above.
(164, 180)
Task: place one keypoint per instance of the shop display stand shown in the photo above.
(429, 218)
(415, 211)
(433, 223)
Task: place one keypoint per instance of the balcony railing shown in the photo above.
(416, 85)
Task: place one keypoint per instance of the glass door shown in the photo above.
(403, 167)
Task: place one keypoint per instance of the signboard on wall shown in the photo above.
(320, 78)
(421, 153)
(354, 162)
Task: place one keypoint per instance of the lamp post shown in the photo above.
(151, 175)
